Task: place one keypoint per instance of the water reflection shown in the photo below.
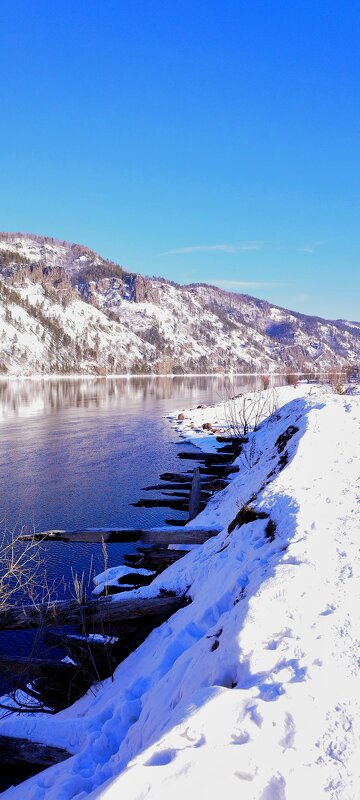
(28, 397)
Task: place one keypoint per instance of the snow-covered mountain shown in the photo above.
(65, 309)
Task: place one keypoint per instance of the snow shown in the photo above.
(250, 691)
(110, 577)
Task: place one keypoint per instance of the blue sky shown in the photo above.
(202, 141)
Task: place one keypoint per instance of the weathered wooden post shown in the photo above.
(195, 494)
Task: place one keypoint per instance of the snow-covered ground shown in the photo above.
(251, 691)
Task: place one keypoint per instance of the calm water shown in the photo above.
(76, 453)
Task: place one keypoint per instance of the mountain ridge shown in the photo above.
(64, 308)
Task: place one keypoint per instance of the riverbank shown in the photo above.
(251, 689)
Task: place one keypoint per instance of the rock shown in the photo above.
(181, 416)
(207, 426)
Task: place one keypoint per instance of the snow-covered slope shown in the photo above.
(251, 691)
(65, 309)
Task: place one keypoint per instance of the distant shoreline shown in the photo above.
(152, 375)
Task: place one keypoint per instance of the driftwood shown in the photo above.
(103, 611)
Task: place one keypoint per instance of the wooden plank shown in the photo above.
(103, 611)
(208, 458)
(219, 470)
(207, 486)
(175, 528)
(160, 559)
(23, 665)
(171, 486)
(109, 536)
(22, 751)
(236, 440)
(154, 558)
(195, 495)
(159, 502)
(180, 536)
(186, 454)
(175, 476)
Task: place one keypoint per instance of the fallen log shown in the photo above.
(103, 611)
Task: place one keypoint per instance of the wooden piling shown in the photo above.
(195, 495)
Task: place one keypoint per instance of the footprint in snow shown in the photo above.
(287, 742)
(275, 790)
(270, 691)
(161, 758)
(242, 737)
(329, 610)
(346, 572)
(195, 741)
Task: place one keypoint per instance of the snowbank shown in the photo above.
(251, 690)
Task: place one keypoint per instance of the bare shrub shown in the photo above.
(335, 378)
(245, 412)
(292, 379)
(19, 567)
(38, 682)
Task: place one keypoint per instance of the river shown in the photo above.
(75, 453)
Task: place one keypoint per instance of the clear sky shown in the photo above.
(212, 141)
